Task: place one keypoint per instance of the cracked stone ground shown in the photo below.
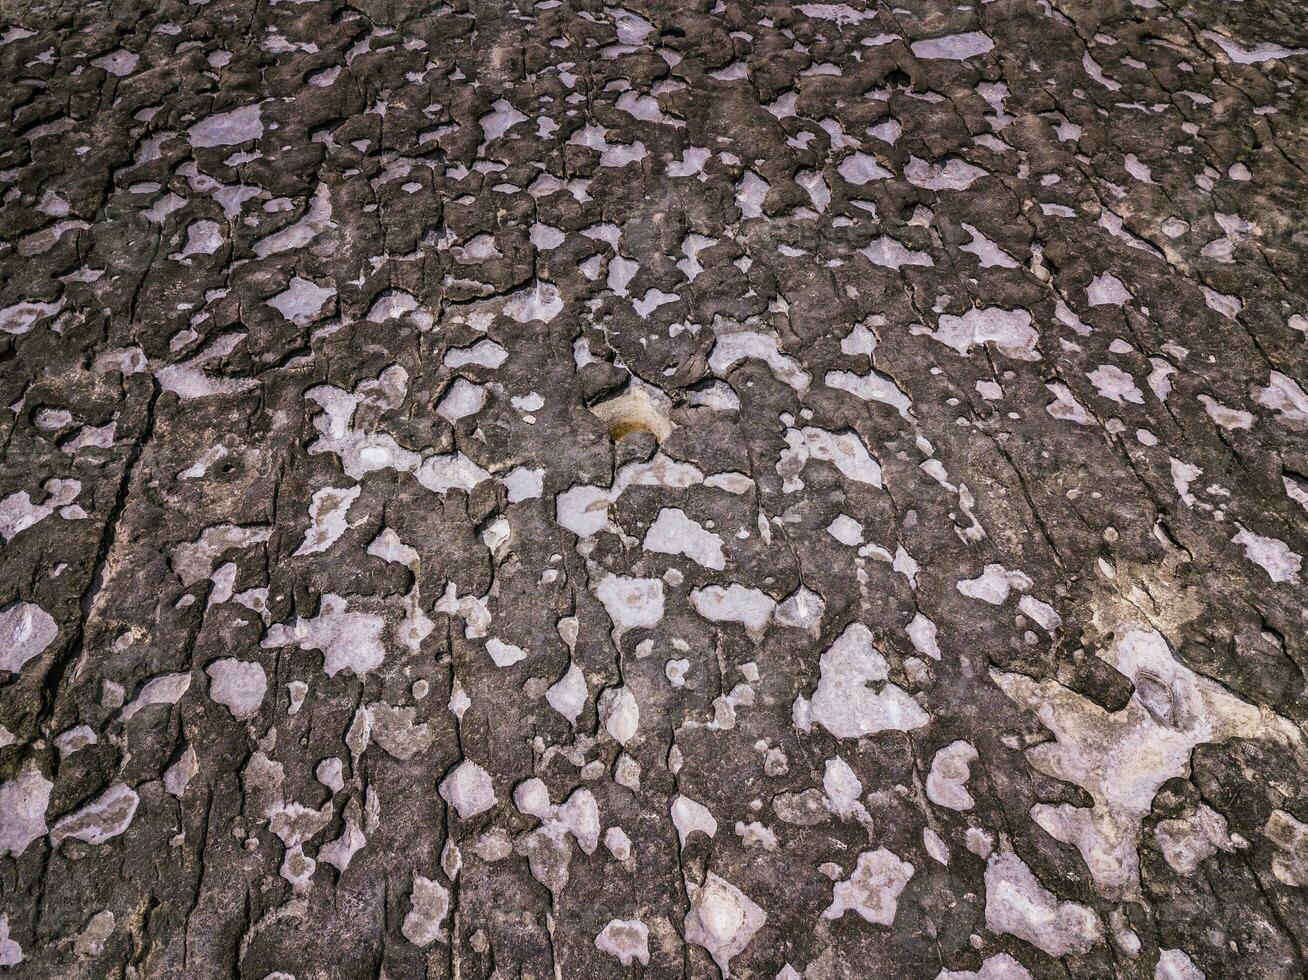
(557, 490)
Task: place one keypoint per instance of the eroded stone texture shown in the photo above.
(565, 489)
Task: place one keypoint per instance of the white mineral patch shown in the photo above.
(451, 471)
(690, 816)
(843, 790)
(23, 803)
(504, 654)
(722, 919)
(238, 685)
(317, 219)
(873, 889)
(429, 903)
(473, 610)
(1107, 290)
(178, 776)
(732, 348)
(1290, 838)
(164, 689)
(802, 609)
(819, 192)
(202, 238)
(750, 192)
(625, 939)
(1115, 384)
(1065, 404)
(1186, 842)
(735, 603)
(846, 530)
(845, 702)
(11, 953)
(1001, 966)
(632, 603)
(20, 317)
(1260, 52)
(340, 852)
(499, 120)
(104, 818)
(952, 175)
(524, 483)
(120, 63)
(25, 631)
(989, 255)
(75, 739)
(389, 547)
(673, 533)
(1009, 330)
(888, 253)
(1017, 904)
(541, 301)
(468, 789)
(953, 47)
(461, 400)
(18, 513)
(844, 450)
(567, 696)
(994, 584)
(871, 387)
(583, 510)
(935, 846)
(620, 714)
(946, 784)
(1270, 554)
(1287, 399)
(391, 304)
(348, 640)
(302, 300)
(1175, 964)
(90, 942)
(859, 169)
(484, 353)
(922, 634)
(841, 13)
(1044, 615)
(188, 379)
(329, 513)
(1122, 758)
(228, 128)
(1226, 417)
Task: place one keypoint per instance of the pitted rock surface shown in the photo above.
(560, 490)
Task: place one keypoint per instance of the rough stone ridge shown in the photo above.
(502, 489)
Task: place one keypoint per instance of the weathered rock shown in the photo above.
(848, 462)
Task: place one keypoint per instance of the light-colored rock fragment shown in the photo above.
(690, 816)
(847, 704)
(328, 518)
(1290, 837)
(103, 819)
(873, 889)
(632, 603)
(25, 631)
(23, 802)
(673, 533)
(238, 685)
(625, 939)
(429, 903)
(468, 788)
(946, 784)
(1019, 905)
(722, 919)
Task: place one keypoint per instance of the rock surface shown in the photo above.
(848, 461)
